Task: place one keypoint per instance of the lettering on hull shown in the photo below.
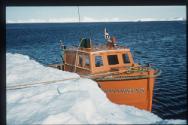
(125, 90)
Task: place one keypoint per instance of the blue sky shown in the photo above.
(94, 13)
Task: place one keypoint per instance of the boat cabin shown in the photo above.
(89, 59)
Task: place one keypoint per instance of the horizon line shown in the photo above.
(27, 22)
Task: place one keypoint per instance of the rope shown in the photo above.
(25, 85)
(28, 85)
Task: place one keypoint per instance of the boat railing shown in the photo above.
(95, 47)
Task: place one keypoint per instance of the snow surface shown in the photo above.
(77, 101)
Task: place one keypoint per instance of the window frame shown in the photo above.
(80, 58)
(87, 57)
(124, 55)
(117, 60)
(101, 60)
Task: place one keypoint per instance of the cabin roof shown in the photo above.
(99, 49)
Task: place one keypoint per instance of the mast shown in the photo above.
(79, 43)
(78, 14)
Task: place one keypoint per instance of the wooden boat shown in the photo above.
(113, 68)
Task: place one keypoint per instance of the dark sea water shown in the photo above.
(162, 44)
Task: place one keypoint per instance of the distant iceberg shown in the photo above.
(91, 19)
(77, 101)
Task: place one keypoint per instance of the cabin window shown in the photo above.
(80, 60)
(113, 60)
(98, 61)
(126, 58)
(87, 61)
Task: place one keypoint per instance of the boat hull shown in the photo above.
(138, 92)
(134, 89)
